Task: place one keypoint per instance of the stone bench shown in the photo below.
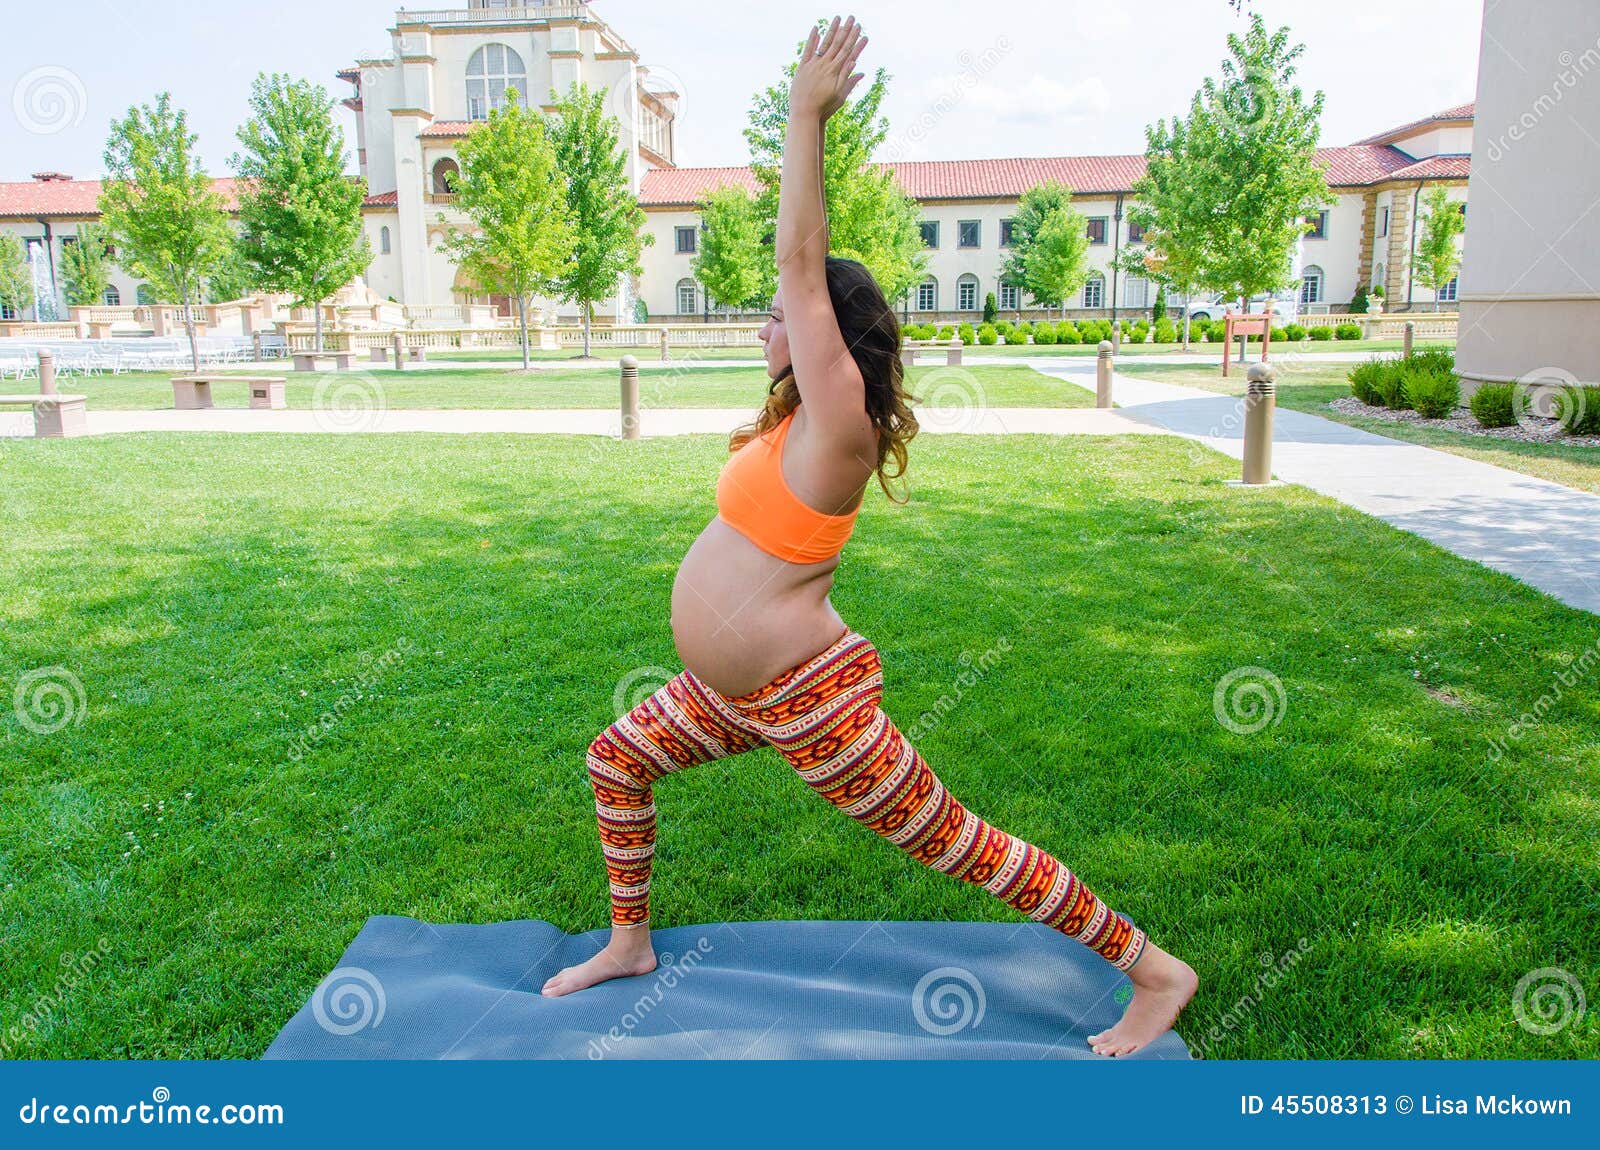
(54, 416)
(951, 347)
(316, 360)
(193, 392)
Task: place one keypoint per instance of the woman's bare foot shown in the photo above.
(628, 953)
(1162, 985)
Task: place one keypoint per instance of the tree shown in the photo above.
(16, 277)
(1250, 149)
(300, 213)
(1049, 246)
(1158, 310)
(233, 277)
(989, 308)
(606, 216)
(870, 218)
(730, 260)
(169, 225)
(1171, 206)
(86, 267)
(1437, 258)
(511, 191)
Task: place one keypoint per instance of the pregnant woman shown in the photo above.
(768, 661)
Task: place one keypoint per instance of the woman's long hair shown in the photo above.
(872, 335)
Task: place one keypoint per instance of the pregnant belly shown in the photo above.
(740, 615)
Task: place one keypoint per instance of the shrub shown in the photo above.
(1294, 332)
(1365, 377)
(989, 309)
(945, 332)
(1067, 332)
(1165, 331)
(1438, 360)
(1016, 335)
(1434, 396)
(1348, 331)
(1358, 302)
(1391, 387)
(1158, 310)
(987, 334)
(1003, 326)
(1140, 332)
(968, 335)
(1043, 333)
(1025, 327)
(1580, 410)
(1319, 333)
(1494, 405)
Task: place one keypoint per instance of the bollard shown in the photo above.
(1102, 374)
(1260, 400)
(1408, 339)
(47, 372)
(255, 346)
(399, 353)
(1116, 337)
(663, 345)
(953, 358)
(630, 397)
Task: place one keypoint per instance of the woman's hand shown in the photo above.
(825, 75)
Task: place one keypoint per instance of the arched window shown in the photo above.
(444, 175)
(928, 295)
(383, 239)
(113, 297)
(967, 293)
(1094, 291)
(491, 70)
(688, 297)
(1311, 284)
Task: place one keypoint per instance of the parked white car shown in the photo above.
(1285, 306)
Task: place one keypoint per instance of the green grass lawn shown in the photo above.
(994, 385)
(1309, 387)
(466, 607)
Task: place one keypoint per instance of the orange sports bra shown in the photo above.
(754, 500)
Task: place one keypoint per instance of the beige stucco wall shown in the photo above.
(1529, 300)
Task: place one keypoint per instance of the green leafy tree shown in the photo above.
(169, 224)
(731, 257)
(511, 191)
(870, 218)
(86, 267)
(1438, 259)
(1158, 310)
(234, 277)
(1250, 153)
(16, 278)
(300, 213)
(1049, 255)
(1170, 204)
(989, 308)
(607, 218)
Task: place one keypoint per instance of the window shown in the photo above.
(1448, 293)
(1005, 232)
(968, 234)
(1137, 289)
(113, 298)
(1383, 221)
(7, 312)
(491, 70)
(1462, 208)
(144, 295)
(930, 233)
(685, 239)
(1319, 227)
(688, 297)
(967, 293)
(1094, 289)
(928, 295)
(1311, 285)
(445, 173)
(383, 239)
(1009, 297)
(1097, 231)
(1135, 233)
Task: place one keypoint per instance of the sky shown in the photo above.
(1056, 77)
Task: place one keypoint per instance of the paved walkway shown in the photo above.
(1542, 533)
(597, 421)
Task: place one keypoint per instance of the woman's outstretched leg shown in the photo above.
(670, 730)
(837, 737)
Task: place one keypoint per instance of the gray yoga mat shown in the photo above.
(788, 989)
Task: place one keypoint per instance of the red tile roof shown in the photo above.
(382, 200)
(1459, 112)
(1354, 165)
(1448, 166)
(448, 128)
(29, 199)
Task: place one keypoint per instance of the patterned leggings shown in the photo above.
(823, 716)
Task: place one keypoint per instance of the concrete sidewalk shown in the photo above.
(1542, 533)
